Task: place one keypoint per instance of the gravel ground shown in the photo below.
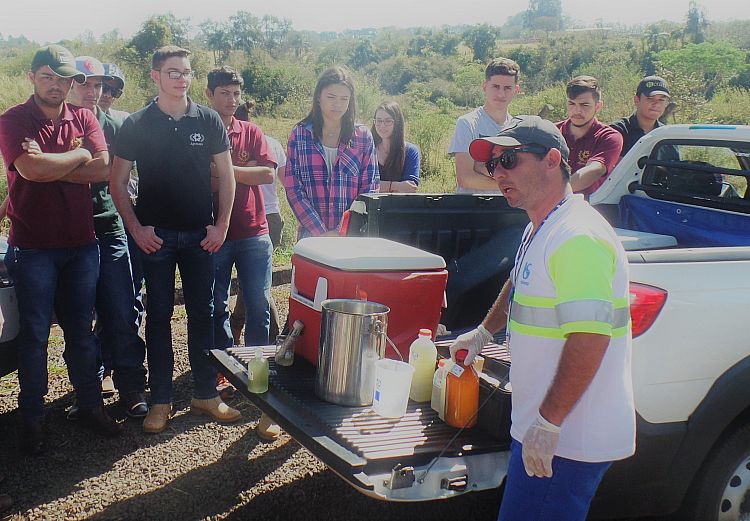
(193, 470)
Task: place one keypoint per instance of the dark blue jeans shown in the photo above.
(252, 258)
(136, 268)
(117, 317)
(63, 279)
(183, 250)
(565, 496)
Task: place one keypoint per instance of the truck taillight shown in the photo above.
(345, 223)
(645, 304)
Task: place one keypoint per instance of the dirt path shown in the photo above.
(193, 470)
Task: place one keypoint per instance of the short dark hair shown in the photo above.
(223, 76)
(162, 54)
(583, 84)
(502, 67)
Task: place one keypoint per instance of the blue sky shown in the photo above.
(47, 20)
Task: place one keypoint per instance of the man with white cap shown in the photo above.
(566, 314)
(112, 89)
(52, 152)
(123, 351)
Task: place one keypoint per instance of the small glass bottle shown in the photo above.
(461, 393)
(284, 350)
(257, 372)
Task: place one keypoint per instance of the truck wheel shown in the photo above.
(723, 491)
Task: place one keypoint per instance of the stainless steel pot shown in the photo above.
(352, 339)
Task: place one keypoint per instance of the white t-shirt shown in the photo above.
(469, 127)
(270, 193)
(573, 277)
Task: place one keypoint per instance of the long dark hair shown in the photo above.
(394, 163)
(335, 75)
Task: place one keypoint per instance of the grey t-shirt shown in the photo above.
(469, 127)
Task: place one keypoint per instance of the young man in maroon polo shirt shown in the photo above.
(248, 246)
(52, 152)
(594, 147)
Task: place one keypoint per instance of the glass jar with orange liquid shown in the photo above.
(461, 393)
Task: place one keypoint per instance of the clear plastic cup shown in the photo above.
(392, 384)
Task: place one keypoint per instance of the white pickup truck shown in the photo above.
(680, 201)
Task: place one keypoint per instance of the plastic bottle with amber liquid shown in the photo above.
(461, 393)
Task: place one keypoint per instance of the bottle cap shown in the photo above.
(441, 362)
(461, 355)
(425, 332)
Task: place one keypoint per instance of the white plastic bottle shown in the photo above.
(438, 380)
(257, 372)
(422, 356)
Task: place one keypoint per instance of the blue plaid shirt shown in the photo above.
(317, 199)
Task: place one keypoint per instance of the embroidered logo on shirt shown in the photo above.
(243, 156)
(197, 139)
(584, 155)
(525, 274)
(76, 142)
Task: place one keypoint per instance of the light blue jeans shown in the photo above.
(252, 257)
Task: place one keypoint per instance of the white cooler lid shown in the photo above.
(366, 254)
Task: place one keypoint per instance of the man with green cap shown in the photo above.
(52, 152)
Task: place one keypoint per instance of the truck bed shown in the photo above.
(364, 448)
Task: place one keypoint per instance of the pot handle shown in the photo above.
(378, 327)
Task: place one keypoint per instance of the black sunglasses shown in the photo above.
(116, 93)
(508, 158)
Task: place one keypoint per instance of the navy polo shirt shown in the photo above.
(632, 132)
(173, 158)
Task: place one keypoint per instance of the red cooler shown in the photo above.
(410, 281)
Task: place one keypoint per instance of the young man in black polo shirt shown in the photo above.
(174, 142)
(651, 99)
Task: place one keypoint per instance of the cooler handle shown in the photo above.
(321, 294)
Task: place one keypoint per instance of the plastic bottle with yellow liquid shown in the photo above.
(257, 372)
(422, 356)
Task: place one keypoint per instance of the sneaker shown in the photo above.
(156, 418)
(215, 408)
(98, 421)
(225, 388)
(267, 430)
(134, 404)
(108, 386)
(73, 411)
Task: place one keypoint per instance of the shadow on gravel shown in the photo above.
(74, 454)
(205, 491)
(330, 499)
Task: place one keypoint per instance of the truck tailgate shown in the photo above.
(364, 448)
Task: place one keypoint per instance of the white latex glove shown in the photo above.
(539, 445)
(473, 341)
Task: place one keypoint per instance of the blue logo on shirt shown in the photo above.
(526, 271)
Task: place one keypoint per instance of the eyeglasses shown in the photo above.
(508, 159)
(383, 122)
(114, 91)
(176, 75)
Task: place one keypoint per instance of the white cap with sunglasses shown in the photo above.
(538, 134)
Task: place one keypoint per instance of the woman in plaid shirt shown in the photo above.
(331, 159)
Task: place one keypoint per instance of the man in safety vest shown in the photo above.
(565, 309)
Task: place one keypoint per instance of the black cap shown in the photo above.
(522, 130)
(651, 85)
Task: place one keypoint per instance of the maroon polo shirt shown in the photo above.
(55, 214)
(248, 212)
(601, 143)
